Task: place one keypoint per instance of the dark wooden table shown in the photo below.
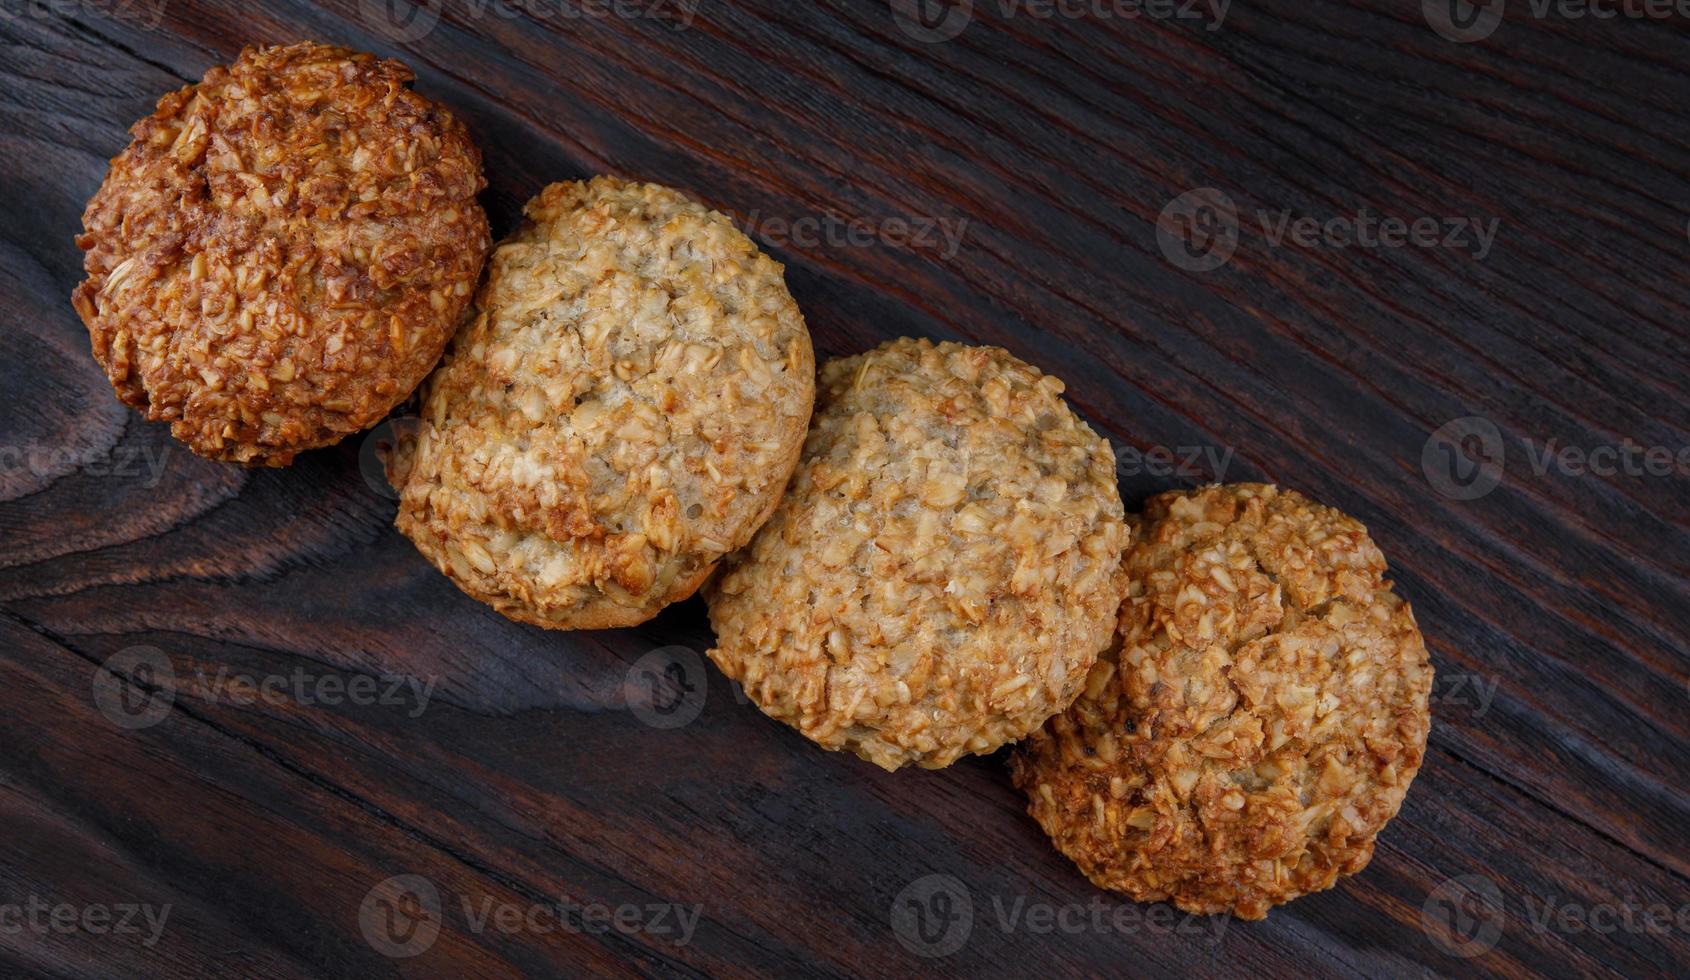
(1209, 230)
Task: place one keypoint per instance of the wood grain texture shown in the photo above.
(1052, 145)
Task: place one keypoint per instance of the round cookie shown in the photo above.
(1259, 721)
(282, 253)
(625, 409)
(940, 577)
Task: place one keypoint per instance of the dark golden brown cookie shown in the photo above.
(1259, 721)
(283, 251)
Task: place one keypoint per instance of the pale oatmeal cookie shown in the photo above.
(941, 576)
(624, 410)
(1259, 721)
(283, 251)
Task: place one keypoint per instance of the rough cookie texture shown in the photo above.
(283, 251)
(625, 409)
(941, 575)
(1260, 720)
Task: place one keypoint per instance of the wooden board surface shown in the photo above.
(1014, 179)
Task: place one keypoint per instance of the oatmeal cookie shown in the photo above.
(283, 251)
(941, 575)
(625, 409)
(1260, 719)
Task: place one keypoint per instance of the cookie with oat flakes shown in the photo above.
(283, 251)
(624, 410)
(1259, 720)
(942, 574)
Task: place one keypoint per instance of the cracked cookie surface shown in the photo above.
(1259, 720)
(625, 408)
(941, 575)
(283, 251)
